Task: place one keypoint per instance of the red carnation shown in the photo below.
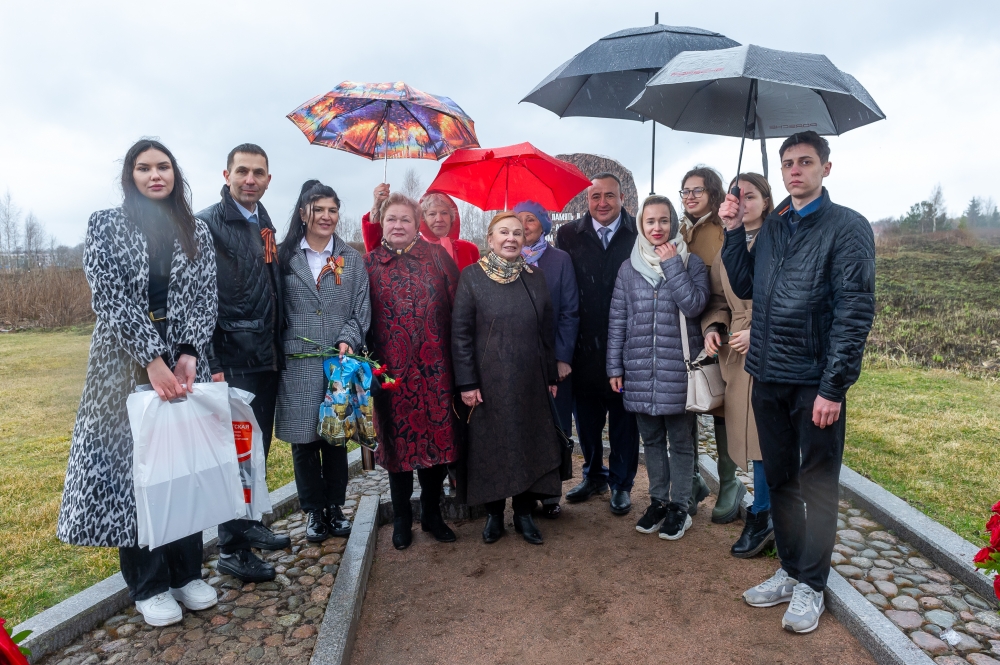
(984, 555)
(996, 587)
(10, 654)
(996, 507)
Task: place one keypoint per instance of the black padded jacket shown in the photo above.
(247, 334)
(813, 296)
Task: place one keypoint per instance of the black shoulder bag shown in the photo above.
(566, 461)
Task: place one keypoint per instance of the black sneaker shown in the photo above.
(651, 519)
(262, 538)
(316, 528)
(675, 523)
(245, 566)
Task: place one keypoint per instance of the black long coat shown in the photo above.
(596, 271)
(512, 446)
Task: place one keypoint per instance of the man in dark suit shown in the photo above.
(246, 345)
(598, 244)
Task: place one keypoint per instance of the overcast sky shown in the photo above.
(79, 82)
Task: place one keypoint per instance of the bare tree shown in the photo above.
(349, 229)
(475, 222)
(10, 232)
(937, 207)
(34, 241)
(412, 186)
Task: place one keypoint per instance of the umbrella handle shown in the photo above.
(735, 191)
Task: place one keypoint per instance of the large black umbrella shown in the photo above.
(599, 81)
(755, 92)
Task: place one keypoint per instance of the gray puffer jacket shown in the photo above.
(644, 335)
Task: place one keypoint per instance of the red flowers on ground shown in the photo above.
(988, 558)
(10, 653)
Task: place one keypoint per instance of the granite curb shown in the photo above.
(59, 625)
(343, 611)
(886, 643)
(933, 540)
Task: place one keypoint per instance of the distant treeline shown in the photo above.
(931, 216)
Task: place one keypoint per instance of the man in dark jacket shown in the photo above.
(598, 244)
(811, 275)
(246, 344)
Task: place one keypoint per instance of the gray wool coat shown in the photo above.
(644, 334)
(329, 315)
(98, 503)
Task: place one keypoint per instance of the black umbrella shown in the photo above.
(599, 81)
(754, 92)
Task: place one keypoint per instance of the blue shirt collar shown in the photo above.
(807, 209)
(246, 213)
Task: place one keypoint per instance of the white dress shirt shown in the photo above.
(246, 213)
(613, 226)
(316, 259)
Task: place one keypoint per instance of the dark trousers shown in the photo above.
(802, 465)
(320, 474)
(669, 449)
(150, 572)
(264, 386)
(591, 414)
(401, 491)
(522, 503)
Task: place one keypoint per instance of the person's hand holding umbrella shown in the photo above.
(731, 211)
(380, 195)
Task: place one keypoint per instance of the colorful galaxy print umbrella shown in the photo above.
(385, 121)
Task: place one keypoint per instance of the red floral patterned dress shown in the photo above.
(411, 299)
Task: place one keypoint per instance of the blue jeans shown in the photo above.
(761, 494)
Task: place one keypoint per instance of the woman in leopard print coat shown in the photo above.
(98, 505)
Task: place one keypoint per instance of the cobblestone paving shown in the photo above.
(953, 625)
(269, 623)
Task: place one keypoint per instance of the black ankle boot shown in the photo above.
(493, 529)
(525, 525)
(402, 535)
(432, 522)
(758, 532)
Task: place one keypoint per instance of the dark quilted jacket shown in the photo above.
(813, 296)
(644, 335)
(247, 335)
(596, 269)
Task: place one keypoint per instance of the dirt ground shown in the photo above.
(596, 592)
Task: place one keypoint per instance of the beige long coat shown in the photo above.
(735, 314)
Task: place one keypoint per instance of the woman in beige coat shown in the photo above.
(726, 326)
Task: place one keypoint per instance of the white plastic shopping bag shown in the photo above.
(184, 465)
(250, 454)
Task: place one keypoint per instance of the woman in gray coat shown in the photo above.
(151, 267)
(660, 282)
(325, 292)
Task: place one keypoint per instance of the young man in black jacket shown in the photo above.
(247, 341)
(598, 244)
(811, 275)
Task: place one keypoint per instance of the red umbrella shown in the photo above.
(497, 178)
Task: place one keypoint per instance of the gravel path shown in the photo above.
(269, 623)
(596, 592)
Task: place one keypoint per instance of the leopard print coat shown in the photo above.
(98, 504)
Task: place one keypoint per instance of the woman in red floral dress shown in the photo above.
(412, 289)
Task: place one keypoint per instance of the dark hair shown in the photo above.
(604, 175)
(713, 184)
(312, 191)
(247, 149)
(821, 145)
(762, 185)
(176, 207)
(656, 199)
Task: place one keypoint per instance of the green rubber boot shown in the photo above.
(731, 490)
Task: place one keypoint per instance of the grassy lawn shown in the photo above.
(41, 378)
(931, 437)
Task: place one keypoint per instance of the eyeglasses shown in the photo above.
(697, 192)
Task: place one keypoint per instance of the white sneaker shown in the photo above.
(802, 615)
(160, 610)
(774, 591)
(196, 595)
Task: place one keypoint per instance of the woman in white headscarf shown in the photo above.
(660, 288)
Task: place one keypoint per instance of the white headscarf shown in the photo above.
(647, 262)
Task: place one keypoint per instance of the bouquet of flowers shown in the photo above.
(10, 653)
(988, 558)
(346, 412)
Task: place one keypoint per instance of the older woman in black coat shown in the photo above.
(502, 350)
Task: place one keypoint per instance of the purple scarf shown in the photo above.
(533, 253)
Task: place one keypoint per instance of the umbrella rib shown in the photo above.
(539, 178)
(506, 165)
(407, 109)
(385, 114)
